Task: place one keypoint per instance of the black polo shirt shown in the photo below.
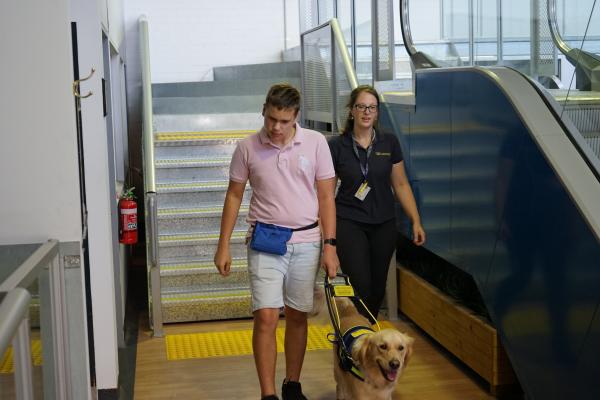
(378, 206)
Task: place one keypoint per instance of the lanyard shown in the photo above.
(364, 169)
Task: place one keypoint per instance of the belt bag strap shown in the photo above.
(307, 227)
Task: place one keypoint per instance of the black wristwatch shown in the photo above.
(331, 241)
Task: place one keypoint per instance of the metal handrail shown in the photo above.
(147, 133)
(13, 309)
(29, 269)
(14, 327)
(150, 181)
(554, 31)
(341, 43)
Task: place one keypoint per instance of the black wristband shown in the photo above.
(330, 241)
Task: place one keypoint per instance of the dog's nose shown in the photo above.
(394, 364)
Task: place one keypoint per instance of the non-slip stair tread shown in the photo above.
(220, 184)
(199, 237)
(203, 211)
(218, 294)
(193, 162)
(199, 136)
(197, 267)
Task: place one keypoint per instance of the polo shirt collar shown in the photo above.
(298, 137)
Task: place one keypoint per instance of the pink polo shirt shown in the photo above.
(283, 180)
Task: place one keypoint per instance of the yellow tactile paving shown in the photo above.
(238, 343)
(206, 135)
(7, 365)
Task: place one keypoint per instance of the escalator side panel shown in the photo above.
(493, 206)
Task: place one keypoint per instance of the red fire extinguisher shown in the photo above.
(128, 218)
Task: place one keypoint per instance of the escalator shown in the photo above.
(507, 177)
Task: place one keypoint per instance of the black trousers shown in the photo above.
(364, 251)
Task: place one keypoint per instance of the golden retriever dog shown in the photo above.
(380, 356)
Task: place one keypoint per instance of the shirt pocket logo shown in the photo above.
(304, 165)
(383, 154)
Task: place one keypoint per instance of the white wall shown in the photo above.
(116, 22)
(189, 37)
(99, 198)
(38, 143)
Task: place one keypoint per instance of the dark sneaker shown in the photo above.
(270, 397)
(291, 390)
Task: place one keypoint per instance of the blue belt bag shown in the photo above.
(273, 239)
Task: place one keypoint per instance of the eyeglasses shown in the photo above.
(364, 107)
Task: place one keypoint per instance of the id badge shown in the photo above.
(363, 191)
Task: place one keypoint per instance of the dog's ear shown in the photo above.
(409, 348)
(360, 349)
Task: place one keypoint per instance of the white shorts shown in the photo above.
(289, 279)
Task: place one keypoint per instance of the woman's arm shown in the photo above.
(406, 198)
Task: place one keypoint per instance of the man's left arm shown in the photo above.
(325, 194)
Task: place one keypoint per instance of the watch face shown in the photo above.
(330, 241)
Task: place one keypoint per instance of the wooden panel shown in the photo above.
(467, 336)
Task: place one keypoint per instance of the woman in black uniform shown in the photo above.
(371, 169)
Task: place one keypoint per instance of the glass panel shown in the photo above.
(344, 16)
(317, 75)
(326, 11)
(364, 56)
(308, 15)
(485, 30)
(453, 46)
(581, 98)
(402, 68)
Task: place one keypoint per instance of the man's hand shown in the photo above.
(223, 260)
(329, 261)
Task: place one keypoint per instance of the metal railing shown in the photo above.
(327, 74)
(43, 270)
(154, 300)
(14, 314)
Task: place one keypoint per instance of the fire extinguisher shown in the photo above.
(128, 218)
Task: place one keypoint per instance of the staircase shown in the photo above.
(196, 127)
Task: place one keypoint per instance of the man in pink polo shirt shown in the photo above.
(293, 182)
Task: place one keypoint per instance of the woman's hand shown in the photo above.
(418, 234)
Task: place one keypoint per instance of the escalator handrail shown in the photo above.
(554, 32)
(419, 59)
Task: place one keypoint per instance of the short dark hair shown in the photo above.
(349, 125)
(283, 95)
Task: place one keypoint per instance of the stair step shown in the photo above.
(204, 306)
(281, 70)
(211, 170)
(208, 105)
(182, 197)
(201, 245)
(198, 186)
(198, 219)
(197, 212)
(192, 162)
(208, 89)
(198, 238)
(201, 273)
(207, 122)
(204, 137)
